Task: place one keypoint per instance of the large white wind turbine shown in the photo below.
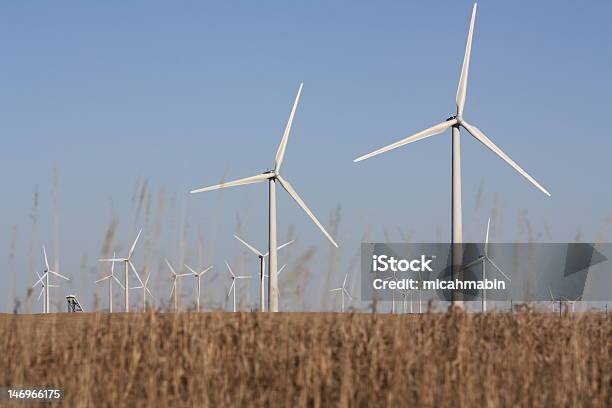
(175, 289)
(234, 279)
(455, 122)
(110, 279)
(343, 291)
(198, 277)
(272, 177)
(42, 291)
(484, 258)
(262, 269)
(44, 281)
(128, 264)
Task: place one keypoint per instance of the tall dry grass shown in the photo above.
(221, 359)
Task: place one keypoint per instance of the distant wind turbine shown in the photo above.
(42, 291)
(455, 122)
(145, 290)
(483, 259)
(262, 269)
(272, 177)
(44, 280)
(128, 264)
(110, 279)
(343, 291)
(233, 286)
(198, 277)
(175, 289)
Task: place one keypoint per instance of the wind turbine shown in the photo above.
(110, 278)
(175, 278)
(272, 177)
(455, 123)
(128, 264)
(44, 280)
(343, 291)
(572, 302)
(145, 290)
(484, 259)
(233, 286)
(198, 276)
(262, 268)
(42, 291)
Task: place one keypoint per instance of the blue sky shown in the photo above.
(183, 94)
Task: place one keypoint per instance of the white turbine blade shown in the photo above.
(112, 260)
(486, 243)
(40, 280)
(302, 204)
(552, 298)
(59, 275)
(173, 286)
(205, 270)
(231, 287)
(180, 275)
(477, 133)
(54, 286)
(118, 282)
(149, 292)
(285, 244)
(104, 278)
(345, 278)
(281, 270)
(136, 272)
(500, 271)
(42, 290)
(280, 153)
(134, 245)
(46, 260)
(192, 271)
(252, 248)
(136, 287)
(335, 290)
(432, 131)
(462, 88)
(474, 262)
(230, 270)
(245, 277)
(170, 266)
(248, 180)
(347, 294)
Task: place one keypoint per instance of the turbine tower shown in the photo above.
(262, 269)
(272, 177)
(44, 280)
(483, 259)
(128, 264)
(110, 278)
(198, 277)
(455, 123)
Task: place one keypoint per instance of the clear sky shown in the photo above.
(182, 94)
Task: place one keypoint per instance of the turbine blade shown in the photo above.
(497, 267)
(40, 280)
(345, 278)
(119, 282)
(474, 262)
(280, 153)
(136, 273)
(230, 269)
(231, 287)
(112, 260)
(192, 271)
(252, 248)
(347, 294)
(477, 133)
(173, 287)
(46, 260)
(281, 270)
(463, 81)
(42, 290)
(206, 270)
(150, 294)
(302, 204)
(59, 275)
(170, 266)
(552, 298)
(104, 278)
(134, 245)
(285, 244)
(335, 290)
(432, 131)
(248, 180)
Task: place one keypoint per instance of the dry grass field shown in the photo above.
(296, 360)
